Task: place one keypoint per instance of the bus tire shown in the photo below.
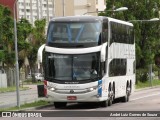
(110, 99)
(110, 102)
(60, 104)
(110, 95)
(126, 97)
(113, 93)
(104, 103)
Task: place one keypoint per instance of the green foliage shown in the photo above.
(6, 37)
(24, 29)
(142, 75)
(37, 38)
(29, 39)
(12, 89)
(2, 56)
(147, 84)
(147, 34)
(28, 105)
(9, 59)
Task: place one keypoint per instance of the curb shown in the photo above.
(36, 108)
(51, 104)
(147, 88)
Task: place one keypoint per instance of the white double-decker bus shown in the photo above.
(89, 59)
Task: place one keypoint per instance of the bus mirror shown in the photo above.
(103, 52)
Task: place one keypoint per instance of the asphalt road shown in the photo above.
(9, 99)
(147, 100)
(143, 100)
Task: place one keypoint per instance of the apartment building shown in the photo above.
(78, 7)
(90, 7)
(35, 9)
(38, 9)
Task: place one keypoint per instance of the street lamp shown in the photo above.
(16, 56)
(150, 20)
(121, 9)
(63, 7)
(150, 66)
(116, 10)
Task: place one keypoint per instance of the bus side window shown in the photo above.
(117, 67)
(105, 32)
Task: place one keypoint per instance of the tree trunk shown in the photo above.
(33, 73)
(10, 72)
(158, 74)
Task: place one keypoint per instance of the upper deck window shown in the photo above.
(74, 32)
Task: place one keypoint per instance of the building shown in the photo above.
(78, 7)
(35, 9)
(38, 9)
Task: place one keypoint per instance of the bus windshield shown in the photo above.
(73, 32)
(72, 67)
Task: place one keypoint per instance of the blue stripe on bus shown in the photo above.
(78, 36)
(100, 88)
(69, 34)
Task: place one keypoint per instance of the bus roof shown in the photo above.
(88, 18)
(120, 21)
(77, 18)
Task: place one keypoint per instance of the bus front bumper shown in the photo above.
(84, 97)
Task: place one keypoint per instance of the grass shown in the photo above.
(12, 89)
(27, 105)
(29, 82)
(147, 84)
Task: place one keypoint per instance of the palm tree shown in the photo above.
(24, 29)
(37, 38)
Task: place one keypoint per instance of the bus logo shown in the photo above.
(72, 91)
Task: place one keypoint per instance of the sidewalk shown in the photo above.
(9, 99)
(146, 88)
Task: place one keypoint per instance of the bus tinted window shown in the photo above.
(105, 31)
(72, 67)
(121, 33)
(117, 67)
(68, 32)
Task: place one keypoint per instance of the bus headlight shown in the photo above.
(51, 88)
(92, 88)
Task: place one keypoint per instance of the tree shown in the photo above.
(146, 33)
(37, 38)
(24, 29)
(2, 54)
(7, 55)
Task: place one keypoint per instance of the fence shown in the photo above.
(3, 80)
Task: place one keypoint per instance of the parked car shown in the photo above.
(29, 76)
(39, 77)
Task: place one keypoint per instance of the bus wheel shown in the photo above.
(126, 97)
(104, 103)
(110, 96)
(60, 104)
(113, 93)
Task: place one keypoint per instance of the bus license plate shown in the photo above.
(71, 97)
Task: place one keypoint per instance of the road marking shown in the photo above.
(145, 96)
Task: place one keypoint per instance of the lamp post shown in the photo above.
(116, 10)
(63, 7)
(150, 20)
(150, 66)
(16, 56)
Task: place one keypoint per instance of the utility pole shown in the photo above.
(16, 56)
(63, 6)
(150, 67)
